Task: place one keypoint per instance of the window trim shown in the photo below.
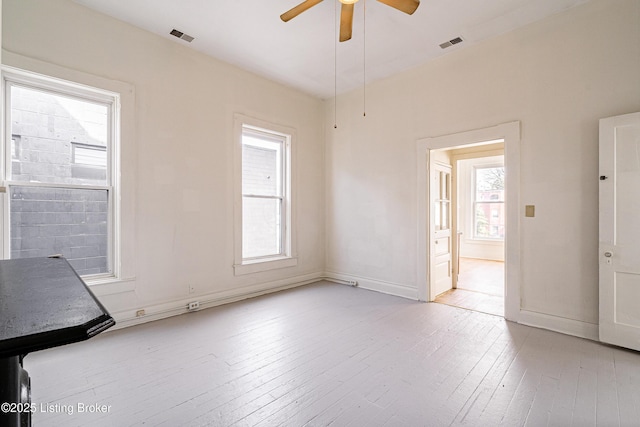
(32, 80)
(288, 257)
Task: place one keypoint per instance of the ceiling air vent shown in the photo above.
(451, 42)
(181, 35)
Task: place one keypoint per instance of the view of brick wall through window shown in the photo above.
(59, 140)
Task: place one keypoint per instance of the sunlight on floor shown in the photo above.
(480, 287)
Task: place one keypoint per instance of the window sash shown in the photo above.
(263, 139)
(260, 141)
(33, 84)
(280, 237)
(110, 214)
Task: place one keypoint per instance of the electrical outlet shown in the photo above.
(194, 305)
(352, 283)
(140, 313)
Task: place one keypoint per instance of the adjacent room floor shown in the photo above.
(480, 287)
(328, 354)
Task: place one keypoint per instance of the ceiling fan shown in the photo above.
(346, 12)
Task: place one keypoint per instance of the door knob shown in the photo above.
(608, 254)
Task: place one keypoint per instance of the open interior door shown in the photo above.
(440, 262)
(619, 249)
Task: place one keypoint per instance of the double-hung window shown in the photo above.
(263, 194)
(488, 202)
(264, 219)
(60, 172)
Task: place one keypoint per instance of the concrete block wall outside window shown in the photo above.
(68, 220)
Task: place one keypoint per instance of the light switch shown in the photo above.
(530, 211)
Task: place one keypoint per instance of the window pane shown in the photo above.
(71, 222)
(261, 227)
(445, 216)
(489, 220)
(47, 131)
(261, 167)
(444, 191)
(490, 184)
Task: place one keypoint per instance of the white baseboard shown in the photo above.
(374, 285)
(563, 325)
(127, 318)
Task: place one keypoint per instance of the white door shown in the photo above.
(619, 249)
(440, 259)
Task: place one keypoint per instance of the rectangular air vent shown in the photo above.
(181, 35)
(451, 42)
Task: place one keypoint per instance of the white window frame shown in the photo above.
(288, 256)
(22, 78)
(474, 201)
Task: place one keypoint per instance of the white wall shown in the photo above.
(557, 77)
(178, 161)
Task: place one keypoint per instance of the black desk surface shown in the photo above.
(44, 303)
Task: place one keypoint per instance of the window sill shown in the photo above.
(258, 266)
(110, 285)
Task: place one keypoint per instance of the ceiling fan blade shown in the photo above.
(406, 6)
(346, 22)
(297, 10)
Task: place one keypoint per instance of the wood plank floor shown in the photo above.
(480, 287)
(327, 354)
(482, 275)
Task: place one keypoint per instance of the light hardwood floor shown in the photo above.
(480, 287)
(328, 354)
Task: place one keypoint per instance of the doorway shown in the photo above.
(478, 222)
(428, 151)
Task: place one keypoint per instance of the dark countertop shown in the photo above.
(44, 303)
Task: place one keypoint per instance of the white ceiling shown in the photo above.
(301, 53)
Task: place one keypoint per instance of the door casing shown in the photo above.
(510, 134)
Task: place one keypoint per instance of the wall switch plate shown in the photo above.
(530, 211)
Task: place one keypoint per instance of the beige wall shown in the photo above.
(558, 77)
(179, 159)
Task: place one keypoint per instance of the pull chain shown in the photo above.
(364, 59)
(335, 65)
